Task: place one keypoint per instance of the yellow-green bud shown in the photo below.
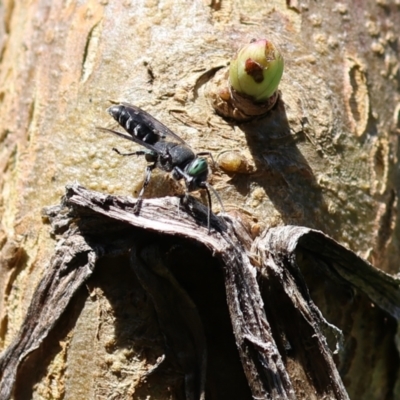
(257, 70)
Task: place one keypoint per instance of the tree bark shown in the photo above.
(326, 158)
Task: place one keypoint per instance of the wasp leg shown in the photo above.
(210, 187)
(183, 202)
(209, 208)
(204, 185)
(146, 181)
(135, 153)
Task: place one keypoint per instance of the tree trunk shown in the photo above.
(326, 158)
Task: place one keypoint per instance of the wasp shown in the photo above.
(164, 150)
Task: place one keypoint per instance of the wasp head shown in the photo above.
(197, 171)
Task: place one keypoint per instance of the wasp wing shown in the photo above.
(152, 122)
(131, 138)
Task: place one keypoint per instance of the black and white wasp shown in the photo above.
(164, 150)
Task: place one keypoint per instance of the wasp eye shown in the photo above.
(197, 167)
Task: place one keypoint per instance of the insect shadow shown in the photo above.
(164, 150)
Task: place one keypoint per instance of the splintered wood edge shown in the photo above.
(165, 215)
(161, 215)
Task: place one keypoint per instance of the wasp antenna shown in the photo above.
(208, 186)
(207, 153)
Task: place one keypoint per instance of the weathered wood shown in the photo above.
(268, 341)
(72, 264)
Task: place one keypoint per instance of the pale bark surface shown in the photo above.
(325, 158)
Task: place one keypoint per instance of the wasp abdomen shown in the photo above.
(132, 122)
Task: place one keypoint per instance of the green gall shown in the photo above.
(257, 70)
